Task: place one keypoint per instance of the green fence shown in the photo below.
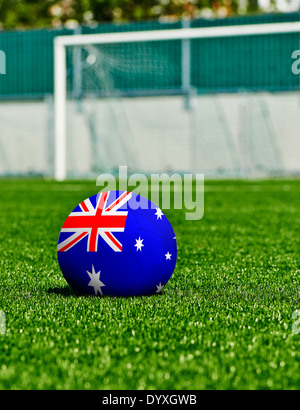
(219, 64)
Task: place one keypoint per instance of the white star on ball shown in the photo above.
(139, 244)
(95, 281)
(159, 287)
(168, 255)
(159, 213)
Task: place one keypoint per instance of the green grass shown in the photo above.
(224, 321)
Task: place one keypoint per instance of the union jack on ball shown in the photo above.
(117, 243)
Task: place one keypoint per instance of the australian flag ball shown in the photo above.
(117, 243)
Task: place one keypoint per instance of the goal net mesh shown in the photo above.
(223, 106)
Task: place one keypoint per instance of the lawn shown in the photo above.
(224, 320)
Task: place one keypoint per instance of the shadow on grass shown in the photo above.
(64, 291)
(67, 291)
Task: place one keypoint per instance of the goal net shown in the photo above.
(218, 100)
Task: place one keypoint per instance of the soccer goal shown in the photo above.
(215, 100)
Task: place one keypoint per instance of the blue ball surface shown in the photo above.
(117, 243)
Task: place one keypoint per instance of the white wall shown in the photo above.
(227, 134)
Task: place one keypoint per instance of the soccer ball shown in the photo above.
(117, 243)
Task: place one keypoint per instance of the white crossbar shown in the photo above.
(179, 34)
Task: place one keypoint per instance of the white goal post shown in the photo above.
(60, 72)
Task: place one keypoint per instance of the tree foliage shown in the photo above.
(47, 13)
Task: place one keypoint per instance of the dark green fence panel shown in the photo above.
(29, 63)
(220, 64)
(252, 62)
